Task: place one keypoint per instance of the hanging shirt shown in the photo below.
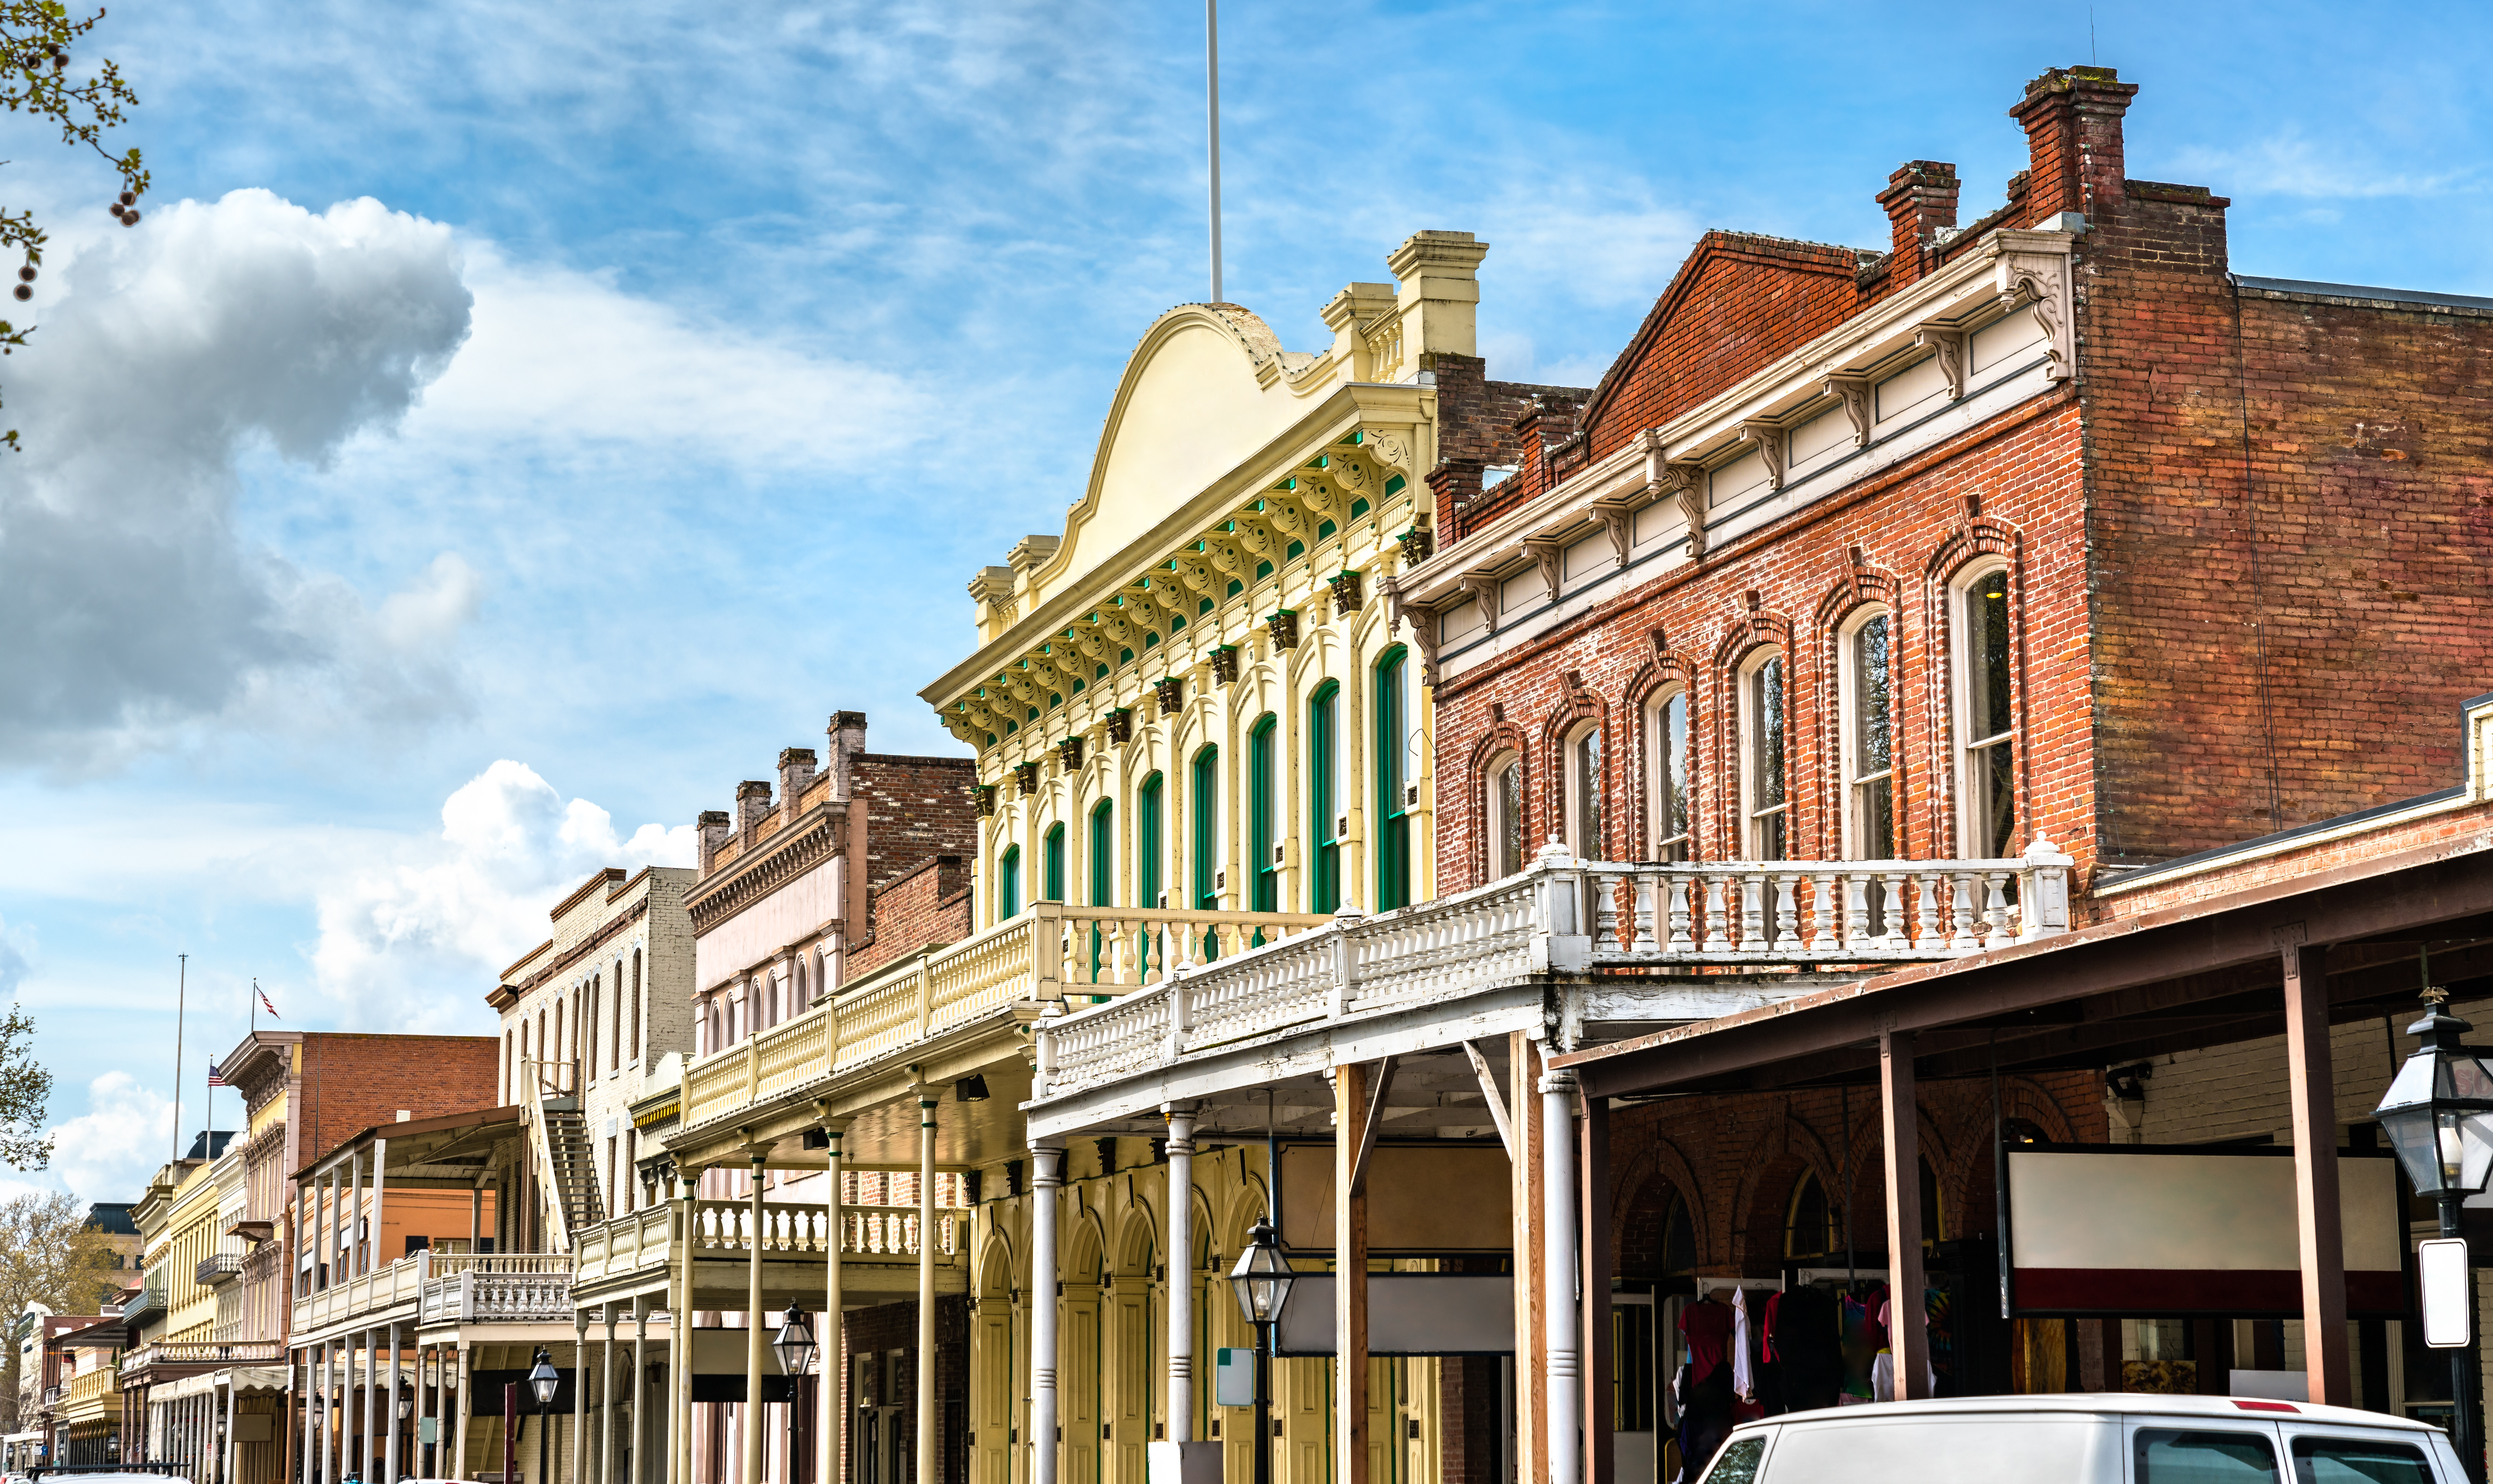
(1744, 1376)
(1706, 1325)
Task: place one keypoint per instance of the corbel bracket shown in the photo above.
(1953, 359)
(2044, 280)
(1770, 445)
(1853, 389)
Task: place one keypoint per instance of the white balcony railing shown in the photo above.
(1047, 952)
(1569, 917)
(641, 1241)
(481, 1286)
(203, 1352)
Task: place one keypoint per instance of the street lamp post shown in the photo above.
(794, 1345)
(1262, 1280)
(2439, 1116)
(545, 1381)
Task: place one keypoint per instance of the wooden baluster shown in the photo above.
(1606, 910)
(1961, 896)
(1719, 890)
(1679, 883)
(1822, 905)
(1995, 884)
(1645, 945)
(1856, 910)
(1786, 911)
(1929, 913)
(1898, 932)
(1753, 914)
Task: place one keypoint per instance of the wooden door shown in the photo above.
(991, 1393)
(1077, 1391)
(1129, 1369)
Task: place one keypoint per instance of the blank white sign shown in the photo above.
(2441, 1265)
(1408, 1314)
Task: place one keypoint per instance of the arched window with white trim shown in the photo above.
(1668, 797)
(1986, 717)
(1869, 731)
(1766, 774)
(1504, 814)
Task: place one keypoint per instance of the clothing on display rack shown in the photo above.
(1703, 1385)
(1805, 1348)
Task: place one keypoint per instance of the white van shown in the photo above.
(2126, 1438)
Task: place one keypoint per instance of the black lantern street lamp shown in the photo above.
(795, 1347)
(2439, 1116)
(545, 1381)
(1263, 1280)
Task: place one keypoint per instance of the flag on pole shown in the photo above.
(216, 1076)
(264, 1004)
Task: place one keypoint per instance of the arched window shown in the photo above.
(638, 985)
(1667, 796)
(1505, 816)
(1811, 1228)
(1582, 755)
(1986, 717)
(1104, 854)
(1934, 1214)
(1678, 1239)
(1263, 805)
(1764, 770)
(1008, 884)
(1052, 863)
(1324, 798)
(1397, 777)
(1150, 843)
(1868, 724)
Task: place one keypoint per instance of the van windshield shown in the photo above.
(1941, 1449)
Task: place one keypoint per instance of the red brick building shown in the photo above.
(2042, 527)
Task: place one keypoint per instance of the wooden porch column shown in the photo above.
(750, 1432)
(679, 1326)
(463, 1402)
(834, 1431)
(1045, 1165)
(1531, 1416)
(390, 1460)
(1181, 1269)
(640, 1389)
(1600, 1408)
(2321, 1237)
(929, 1421)
(1907, 1339)
(1350, 1138)
(1564, 1341)
(606, 1402)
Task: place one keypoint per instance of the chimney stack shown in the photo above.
(711, 825)
(847, 733)
(795, 773)
(752, 802)
(2072, 118)
(1920, 199)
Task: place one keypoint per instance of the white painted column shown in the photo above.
(371, 1450)
(389, 1411)
(233, 1445)
(640, 1389)
(927, 1471)
(832, 1448)
(579, 1360)
(1046, 1175)
(1181, 1271)
(605, 1406)
(751, 1418)
(1558, 1266)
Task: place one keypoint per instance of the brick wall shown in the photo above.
(1478, 426)
(1738, 1160)
(915, 809)
(1898, 542)
(928, 906)
(888, 1327)
(352, 1082)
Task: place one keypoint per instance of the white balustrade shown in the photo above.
(1770, 915)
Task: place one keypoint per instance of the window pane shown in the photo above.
(1670, 779)
(1586, 766)
(1768, 707)
(2166, 1456)
(1994, 792)
(2358, 1460)
(1987, 657)
(1872, 744)
(1510, 818)
(1737, 1463)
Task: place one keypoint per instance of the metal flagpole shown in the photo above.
(181, 998)
(1212, 90)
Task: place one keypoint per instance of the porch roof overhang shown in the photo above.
(2204, 973)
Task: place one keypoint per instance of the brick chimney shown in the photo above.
(2072, 118)
(711, 825)
(1920, 199)
(796, 771)
(752, 802)
(847, 733)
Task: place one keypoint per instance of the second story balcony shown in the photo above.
(1684, 941)
(218, 1267)
(438, 1286)
(1047, 953)
(204, 1354)
(879, 1249)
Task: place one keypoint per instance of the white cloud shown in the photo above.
(2288, 164)
(567, 359)
(165, 355)
(411, 939)
(107, 1151)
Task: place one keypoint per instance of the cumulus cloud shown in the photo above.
(565, 357)
(109, 1150)
(413, 941)
(135, 602)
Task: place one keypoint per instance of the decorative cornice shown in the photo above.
(817, 836)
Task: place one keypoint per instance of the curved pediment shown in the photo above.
(1208, 387)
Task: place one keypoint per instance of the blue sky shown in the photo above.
(514, 423)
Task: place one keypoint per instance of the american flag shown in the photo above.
(216, 1076)
(263, 1001)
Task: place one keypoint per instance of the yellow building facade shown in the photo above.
(1195, 698)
